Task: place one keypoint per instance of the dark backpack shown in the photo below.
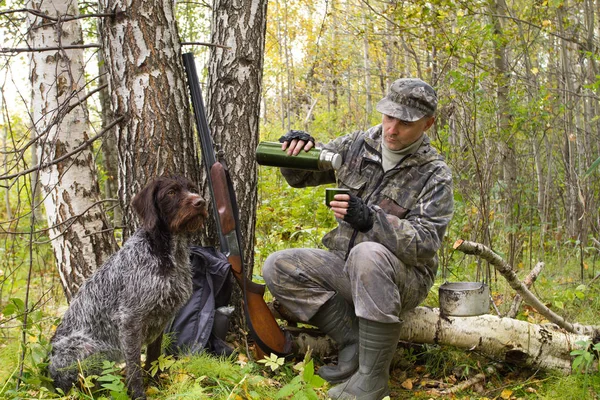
(202, 323)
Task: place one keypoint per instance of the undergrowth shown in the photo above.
(287, 218)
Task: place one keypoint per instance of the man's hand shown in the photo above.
(353, 210)
(294, 141)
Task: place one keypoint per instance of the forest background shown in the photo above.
(519, 87)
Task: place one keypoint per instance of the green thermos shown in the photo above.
(316, 159)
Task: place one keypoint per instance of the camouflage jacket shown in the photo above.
(413, 202)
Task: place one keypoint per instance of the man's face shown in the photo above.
(399, 134)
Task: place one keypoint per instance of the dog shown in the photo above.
(128, 301)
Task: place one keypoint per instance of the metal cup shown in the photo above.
(330, 192)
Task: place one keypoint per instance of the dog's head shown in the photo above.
(171, 203)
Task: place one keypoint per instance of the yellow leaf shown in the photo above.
(535, 71)
(242, 360)
(506, 393)
(407, 384)
(546, 23)
(33, 339)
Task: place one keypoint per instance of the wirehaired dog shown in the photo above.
(129, 300)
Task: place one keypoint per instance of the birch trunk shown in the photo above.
(504, 339)
(513, 341)
(234, 119)
(147, 86)
(78, 230)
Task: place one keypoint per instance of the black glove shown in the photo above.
(359, 215)
(300, 135)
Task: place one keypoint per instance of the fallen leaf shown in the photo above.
(407, 384)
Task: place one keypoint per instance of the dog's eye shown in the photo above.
(171, 192)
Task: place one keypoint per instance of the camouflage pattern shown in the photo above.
(412, 203)
(409, 99)
(372, 278)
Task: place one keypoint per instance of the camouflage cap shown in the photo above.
(409, 99)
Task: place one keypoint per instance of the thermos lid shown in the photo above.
(330, 160)
(336, 161)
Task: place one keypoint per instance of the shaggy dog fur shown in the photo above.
(128, 301)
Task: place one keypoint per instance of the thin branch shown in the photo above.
(61, 114)
(519, 20)
(67, 223)
(67, 155)
(205, 44)
(195, 3)
(65, 18)
(528, 281)
(15, 50)
(480, 377)
(58, 117)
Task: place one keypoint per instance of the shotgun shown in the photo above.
(265, 330)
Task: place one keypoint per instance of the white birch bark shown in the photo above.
(514, 341)
(148, 89)
(60, 119)
(508, 340)
(234, 119)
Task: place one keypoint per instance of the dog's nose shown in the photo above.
(200, 202)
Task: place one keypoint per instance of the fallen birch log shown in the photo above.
(502, 339)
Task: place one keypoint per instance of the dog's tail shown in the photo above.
(75, 354)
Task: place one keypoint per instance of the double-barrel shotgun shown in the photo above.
(267, 333)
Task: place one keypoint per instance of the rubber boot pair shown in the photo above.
(377, 345)
(336, 318)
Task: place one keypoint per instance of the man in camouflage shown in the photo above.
(381, 259)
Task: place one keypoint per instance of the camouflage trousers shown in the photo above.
(379, 285)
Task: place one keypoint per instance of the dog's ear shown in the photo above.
(143, 204)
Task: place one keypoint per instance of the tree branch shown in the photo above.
(528, 281)
(65, 18)
(509, 274)
(205, 44)
(15, 50)
(85, 144)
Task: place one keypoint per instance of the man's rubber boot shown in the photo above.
(336, 318)
(377, 345)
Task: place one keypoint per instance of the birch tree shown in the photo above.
(148, 92)
(233, 118)
(67, 173)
